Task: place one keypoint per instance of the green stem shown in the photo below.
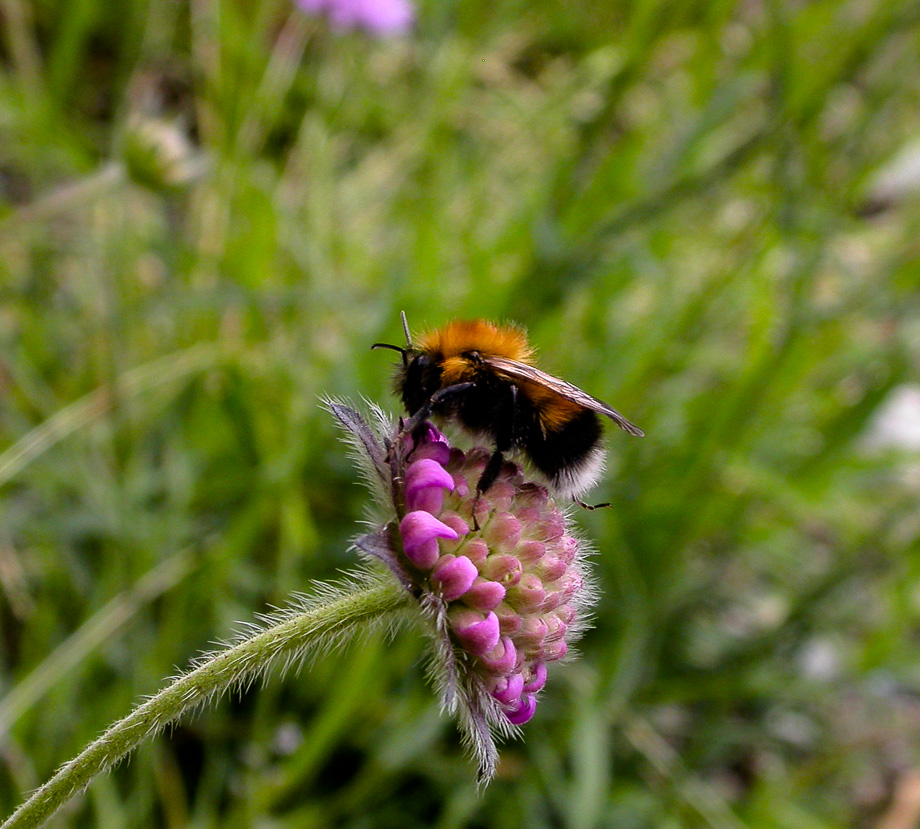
(288, 640)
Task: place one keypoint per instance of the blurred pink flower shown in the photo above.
(379, 17)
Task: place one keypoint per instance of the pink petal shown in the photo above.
(508, 689)
(539, 678)
(426, 481)
(420, 532)
(523, 710)
(477, 632)
(453, 576)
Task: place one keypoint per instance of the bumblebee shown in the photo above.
(481, 376)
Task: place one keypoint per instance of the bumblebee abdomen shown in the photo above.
(571, 456)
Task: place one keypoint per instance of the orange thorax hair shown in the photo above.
(449, 343)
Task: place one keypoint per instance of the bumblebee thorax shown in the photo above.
(463, 338)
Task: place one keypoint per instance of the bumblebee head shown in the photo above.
(419, 376)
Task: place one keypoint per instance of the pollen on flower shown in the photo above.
(510, 588)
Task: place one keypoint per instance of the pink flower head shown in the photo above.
(499, 575)
(379, 17)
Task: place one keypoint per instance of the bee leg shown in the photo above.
(476, 527)
(504, 440)
(489, 474)
(592, 507)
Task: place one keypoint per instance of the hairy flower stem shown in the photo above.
(294, 636)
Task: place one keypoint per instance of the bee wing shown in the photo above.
(522, 371)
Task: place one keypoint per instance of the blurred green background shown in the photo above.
(703, 213)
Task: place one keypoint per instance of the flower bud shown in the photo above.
(453, 576)
(553, 600)
(502, 568)
(548, 527)
(509, 619)
(551, 568)
(503, 531)
(478, 632)
(528, 594)
(480, 511)
(531, 634)
(484, 595)
(553, 651)
(566, 548)
(530, 552)
(569, 585)
(502, 658)
(501, 496)
(476, 550)
(555, 627)
(529, 515)
(531, 496)
(566, 613)
(461, 486)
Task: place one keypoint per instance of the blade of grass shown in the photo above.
(701, 798)
(100, 627)
(276, 83)
(21, 44)
(93, 405)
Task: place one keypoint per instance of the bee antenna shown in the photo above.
(400, 349)
(405, 322)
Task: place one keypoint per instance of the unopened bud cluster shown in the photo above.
(158, 155)
(502, 561)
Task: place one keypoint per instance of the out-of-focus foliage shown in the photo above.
(210, 210)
